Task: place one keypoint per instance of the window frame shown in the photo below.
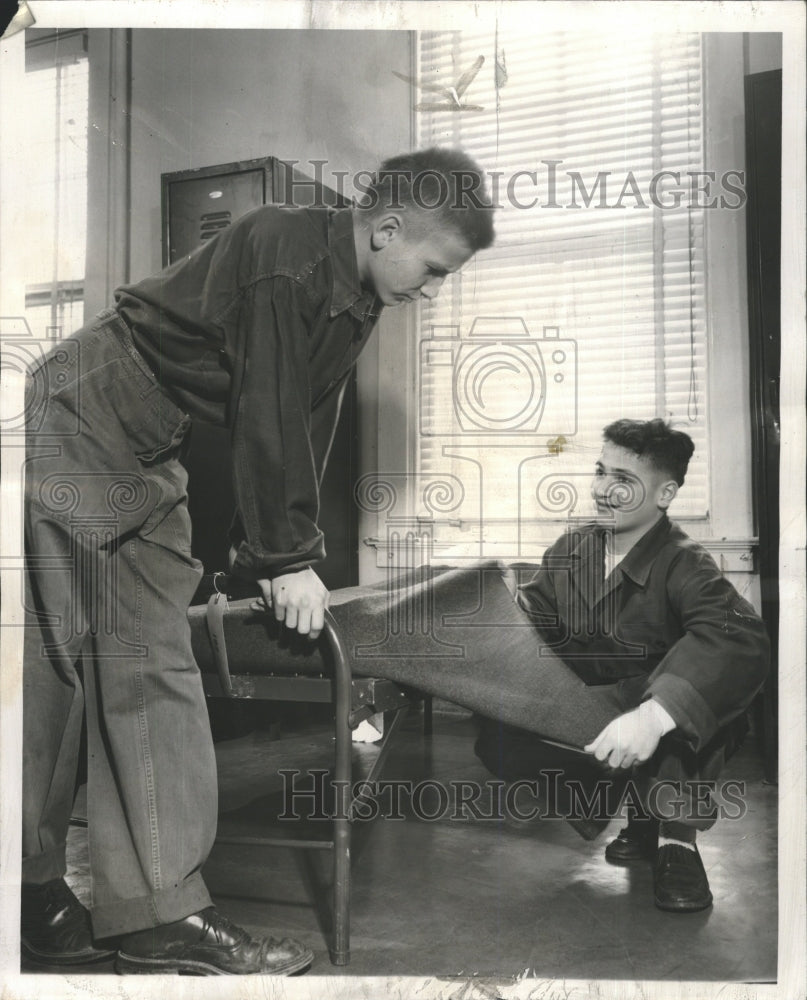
(51, 49)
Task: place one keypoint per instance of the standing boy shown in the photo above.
(635, 607)
(258, 331)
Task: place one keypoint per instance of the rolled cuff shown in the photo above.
(248, 565)
(686, 706)
(124, 916)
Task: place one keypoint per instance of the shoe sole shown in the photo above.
(627, 859)
(683, 907)
(130, 964)
(70, 958)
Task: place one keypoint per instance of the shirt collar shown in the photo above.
(590, 543)
(638, 561)
(347, 291)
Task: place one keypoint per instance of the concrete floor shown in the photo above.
(500, 897)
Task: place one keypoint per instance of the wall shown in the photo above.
(762, 51)
(730, 526)
(205, 97)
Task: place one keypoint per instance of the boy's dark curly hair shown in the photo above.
(666, 449)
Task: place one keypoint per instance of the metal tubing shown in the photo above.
(276, 842)
(340, 952)
(383, 750)
(427, 715)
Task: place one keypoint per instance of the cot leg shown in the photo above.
(340, 952)
(427, 715)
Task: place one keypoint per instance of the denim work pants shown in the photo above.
(110, 577)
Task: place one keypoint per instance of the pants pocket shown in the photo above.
(169, 523)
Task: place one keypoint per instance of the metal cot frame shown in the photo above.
(354, 699)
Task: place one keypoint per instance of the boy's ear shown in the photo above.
(385, 229)
(668, 493)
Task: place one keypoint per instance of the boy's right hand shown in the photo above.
(632, 738)
(298, 599)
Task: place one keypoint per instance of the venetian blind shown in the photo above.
(590, 306)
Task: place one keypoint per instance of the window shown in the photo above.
(590, 306)
(54, 99)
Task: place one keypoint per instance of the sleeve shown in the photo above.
(711, 674)
(324, 420)
(275, 472)
(539, 599)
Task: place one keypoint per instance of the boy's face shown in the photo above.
(631, 495)
(403, 267)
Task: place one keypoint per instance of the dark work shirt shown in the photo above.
(665, 624)
(257, 331)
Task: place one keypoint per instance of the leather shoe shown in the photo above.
(679, 880)
(635, 842)
(208, 944)
(55, 928)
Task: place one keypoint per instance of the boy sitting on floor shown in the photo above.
(631, 601)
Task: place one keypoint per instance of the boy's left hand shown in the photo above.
(632, 738)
